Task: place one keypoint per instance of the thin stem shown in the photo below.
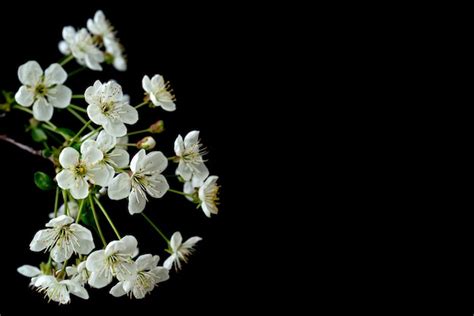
(52, 129)
(75, 72)
(56, 202)
(155, 227)
(129, 145)
(141, 104)
(92, 133)
(179, 192)
(139, 132)
(79, 117)
(108, 217)
(97, 221)
(65, 203)
(21, 146)
(21, 108)
(80, 211)
(68, 59)
(78, 96)
(78, 108)
(80, 131)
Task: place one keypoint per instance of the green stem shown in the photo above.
(56, 202)
(92, 133)
(141, 104)
(68, 59)
(139, 132)
(179, 192)
(65, 203)
(75, 72)
(78, 108)
(80, 132)
(78, 96)
(21, 108)
(97, 221)
(49, 128)
(79, 117)
(108, 217)
(80, 211)
(155, 227)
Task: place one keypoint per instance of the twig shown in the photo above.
(22, 146)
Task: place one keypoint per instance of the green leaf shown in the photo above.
(66, 131)
(47, 152)
(43, 181)
(38, 135)
(87, 217)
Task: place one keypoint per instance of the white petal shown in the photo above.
(115, 128)
(42, 110)
(59, 96)
(64, 48)
(99, 280)
(119, 187)
(191, 139)
(24, 96)
(184, 171)
(157, 186)
(137, 159)
(161, 273)
(30, 73)
(80, 189)
(96, 261)
(129, 114)
(117, 290)
(69, 157)
(88, 143)
(168, 106)
(120, 157)
(92, 155)
(101, 175)
(146, 84)
(29, 271)
(76, 289)
(105, 141)
(60, 221)
(65, 179)
(92, 61)
(175, 241)
(157, 82)
(136, 202)
(153, 162)
(146, 262)
(68, 33)
(91, 92)
(191, 242)
(96, 115)
(59, 253)
(54, 74)
(120, 63)
(168, 264)
(179, 146)
(129, 245)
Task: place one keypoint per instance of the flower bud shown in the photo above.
(157, 127)
(146, 143)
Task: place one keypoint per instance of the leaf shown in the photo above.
(43, 181)
(66, 131)
(38, 135)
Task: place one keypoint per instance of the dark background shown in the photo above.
(206, 57)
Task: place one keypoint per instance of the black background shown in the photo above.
(206, 57)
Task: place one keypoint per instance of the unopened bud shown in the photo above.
(157, 127)
(146, 143)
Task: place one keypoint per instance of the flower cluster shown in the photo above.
(100, 162)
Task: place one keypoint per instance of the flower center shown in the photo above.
(165, 92)
(106, 107)
(193, 154)
(212, 195)
(41, 90)
(80, 169)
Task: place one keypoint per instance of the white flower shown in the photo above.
(78, 170)
(143, 280)
(108, 108)
(82, 47)
(112, 157)
(58, 291)
(44, 91)
(189, 154)
(209, 196)
(146, 177)
(72, 207)
(63, 238)
(159, 92)
(180, 251)
(115, 49)
(122, 142)
(100, 26)
(114, 261)
(78, 273)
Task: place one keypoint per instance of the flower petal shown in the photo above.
(115, 128)
(105, 141)
(92, 155)
(54, 75)
(59, 96)
(136, 202)
(175, 241)
(96, 261)
(117, 290)
(24, 96)
(30, 73)
(191, 139)
(168, 264)
(137, 159)
(119, 157)
(191, 242)
(169, 106)
(179, 146)
(99, 280)
(61, 253)
(69, 157)
(29, 271)
(101, 174)
(65, 179)
(96, 115)
(184, 171)
(157, 186)
(42, 110)
(146, 84)
(41, 240)
(119, 187)
(153, 162)
(129, 114)
(80, 189)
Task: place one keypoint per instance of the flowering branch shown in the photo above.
(26, 148)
